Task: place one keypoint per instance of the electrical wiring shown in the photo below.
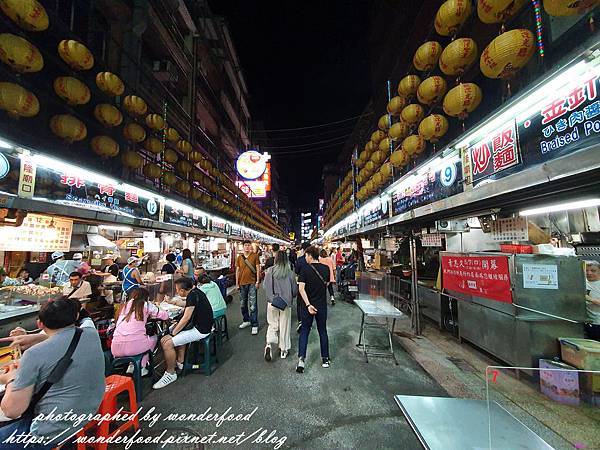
(302, 136)
(277, 130)
(324, 141)
(330, 147)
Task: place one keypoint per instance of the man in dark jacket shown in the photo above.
(300, 263)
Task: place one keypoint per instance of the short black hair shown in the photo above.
(204, 279)
(313, 251)
(185, 283)
(58, 314)
(246, 242)
(275, 247)
(75, 274)
(305, 245)
(171, 257)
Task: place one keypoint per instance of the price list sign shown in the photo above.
(511, 229)
(38, 234)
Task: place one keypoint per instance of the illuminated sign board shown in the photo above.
(256, 188)
(252, 165)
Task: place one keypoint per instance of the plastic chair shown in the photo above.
(137, 369)
(192, 356)
(115, 385)
(221, 329)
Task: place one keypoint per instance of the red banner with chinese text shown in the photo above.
(480, 276)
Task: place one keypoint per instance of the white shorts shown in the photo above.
(187, 336)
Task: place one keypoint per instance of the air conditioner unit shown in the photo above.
(451, 226)
(165, 71)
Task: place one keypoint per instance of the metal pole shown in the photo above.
(415, 319)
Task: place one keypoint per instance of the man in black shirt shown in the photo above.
(299, 265)
(312, 286)
(195, 324)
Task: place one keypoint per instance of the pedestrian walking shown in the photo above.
(326, 260)
(300, 264)
(247, 279)
(312, 286)
(280, 284)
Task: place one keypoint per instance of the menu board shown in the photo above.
(186, 218)
(38, 233)
(219, 226)
(509, 229)
(378, 210)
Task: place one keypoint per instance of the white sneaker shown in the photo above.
(254, 331)
(130, 369)
(145, 371)
(244, 325)
(284, 354)
(165, 380)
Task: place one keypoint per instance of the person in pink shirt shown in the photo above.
(325, 259)
(130, 336)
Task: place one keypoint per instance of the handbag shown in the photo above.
(278, 301)
(57, 373)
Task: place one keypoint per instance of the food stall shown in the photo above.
(19, 305)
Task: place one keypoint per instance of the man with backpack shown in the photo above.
(247, 279)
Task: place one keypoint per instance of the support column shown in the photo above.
(416, 316)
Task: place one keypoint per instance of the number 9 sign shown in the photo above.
(448, 175)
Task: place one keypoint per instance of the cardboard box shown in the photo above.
(561, 384)
(581, 353)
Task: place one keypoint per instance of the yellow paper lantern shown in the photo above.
(71, 90)
(507, 53)
(105, 146)
(408, 86)
(184, 167)
(377, 136)
(362, 159)
(197, 176)
(110, 84)
(153, 145)
(431, 90)
(497, 11)
(395, 105)
(427, 55)
(20, 54)
(458, 56)
(369, 148)
(433, 127)
(413, 145)
(399, 158)
(172, 135)
(184, 146)
(562, 8)
(75, 54)
(386, 171)
(384, 146)
(170, 156)
(462, 100)
(108, 115)
(152, 170)
(412, 114)
(134, 132)
(369, 188)
(134, 105)
(169, 178)
(451, 16)
(132, 160)
(360, 177)
(28, 14)
(399, 130)
(196, 194)
(155, 122)
(370, 167)
(18, 101)
(195, 157)
(68, 127)
(378, 157)
(384, 122)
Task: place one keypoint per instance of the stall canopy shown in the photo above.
(81, 242)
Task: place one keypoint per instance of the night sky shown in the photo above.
(305, 63)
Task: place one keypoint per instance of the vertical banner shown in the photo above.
(26, 178)
(480, 276)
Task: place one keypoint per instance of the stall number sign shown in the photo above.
(161, 278)
(510, 229)
(480, 276)
(431, 240)
(494, 153)
(36, 235)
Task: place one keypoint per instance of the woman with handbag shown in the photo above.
(130, 337)
(280, 289)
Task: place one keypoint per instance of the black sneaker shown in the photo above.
(268, 353)
(325, 363)
(300, 366)
(298, 327)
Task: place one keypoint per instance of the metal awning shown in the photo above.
(95, 240)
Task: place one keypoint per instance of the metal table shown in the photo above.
(462, 424)
(377, 309)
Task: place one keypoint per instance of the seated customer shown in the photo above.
(77, 287)
(195, 324)
(5, 280)
(79, 391)
(213, 292)
(130, 336)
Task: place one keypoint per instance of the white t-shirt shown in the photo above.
(593, 310)
(83, 291)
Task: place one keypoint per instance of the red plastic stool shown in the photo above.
(115, 385)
